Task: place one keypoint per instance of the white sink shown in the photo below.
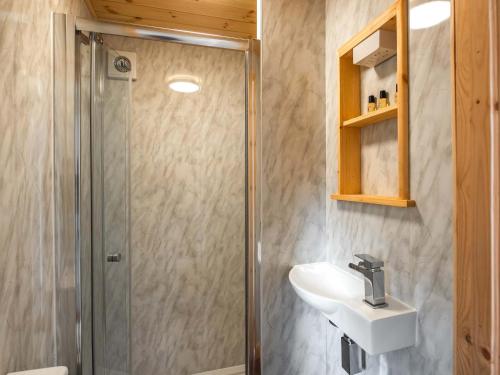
(339, 296)
(60, 370)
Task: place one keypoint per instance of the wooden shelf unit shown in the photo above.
(351, 120)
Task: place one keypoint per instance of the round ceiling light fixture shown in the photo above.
(429, 14)
(184, 84)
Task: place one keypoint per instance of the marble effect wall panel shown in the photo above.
(416, 243)
(379, 163)
(187, 209)
(293, 182)
(27, 314)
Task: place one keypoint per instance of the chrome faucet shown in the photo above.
(371, 268)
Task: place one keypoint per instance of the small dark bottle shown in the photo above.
(384, 99)
(372, 103)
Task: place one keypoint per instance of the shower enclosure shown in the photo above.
(165, 193)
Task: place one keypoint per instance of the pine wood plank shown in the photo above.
(495, 111)
(218, 17)
(106, 6)
(173, 25)
(471, 149)
(201, 8)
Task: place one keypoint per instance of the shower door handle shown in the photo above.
(114, 258)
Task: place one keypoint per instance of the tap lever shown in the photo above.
(369, 262)
(355, 267)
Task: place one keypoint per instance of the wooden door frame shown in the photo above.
(476, 150)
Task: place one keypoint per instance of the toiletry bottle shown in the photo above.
(372, 103)
(383, 100)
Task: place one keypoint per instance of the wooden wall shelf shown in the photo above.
(351, 120)
(372, 118)
(374, 199)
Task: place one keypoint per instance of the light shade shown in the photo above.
(184, 84)
(429, 14)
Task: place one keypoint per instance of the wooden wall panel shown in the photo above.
(473, 260)
(495, 47)
(221, 17)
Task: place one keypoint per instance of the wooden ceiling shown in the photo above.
(234, 18)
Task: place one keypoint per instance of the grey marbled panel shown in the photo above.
(293, 182)
(415, 243)
(27, 323)
(379, 163)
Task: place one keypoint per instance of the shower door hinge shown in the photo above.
(98, 38)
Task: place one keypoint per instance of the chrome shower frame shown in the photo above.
(67, 177)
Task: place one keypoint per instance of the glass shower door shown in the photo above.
(110, 211)
(168, 208)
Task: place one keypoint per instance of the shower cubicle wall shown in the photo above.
(161, 207)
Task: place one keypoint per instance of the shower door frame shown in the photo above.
(67, 177)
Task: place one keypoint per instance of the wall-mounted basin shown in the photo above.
(339, 296)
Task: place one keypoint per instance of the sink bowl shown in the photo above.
(339, 296)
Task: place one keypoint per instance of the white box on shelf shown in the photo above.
(377, 48)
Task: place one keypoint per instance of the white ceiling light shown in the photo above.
(184, 84)
(429, 14)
